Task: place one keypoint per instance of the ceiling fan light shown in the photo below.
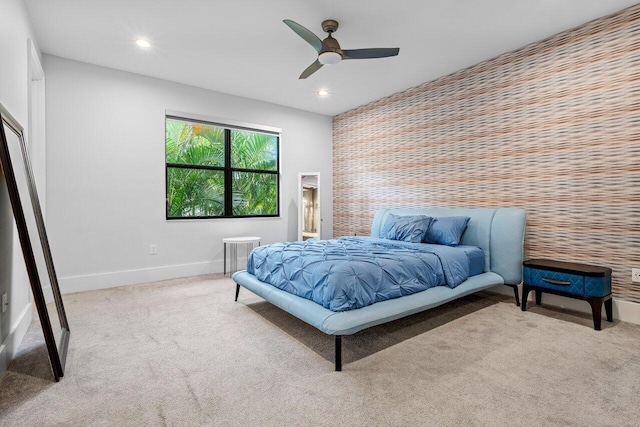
(329, 58)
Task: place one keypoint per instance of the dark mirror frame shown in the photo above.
(57, 352)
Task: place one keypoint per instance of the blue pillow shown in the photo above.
(407, 228)
(447, 230)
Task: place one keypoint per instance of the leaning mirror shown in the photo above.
(29, 221)
(309, 220)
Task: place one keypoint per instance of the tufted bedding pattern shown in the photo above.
(353, 272)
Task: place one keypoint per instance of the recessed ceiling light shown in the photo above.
(143, 43)
(323, 92)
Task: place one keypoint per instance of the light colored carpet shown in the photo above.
(184, 353)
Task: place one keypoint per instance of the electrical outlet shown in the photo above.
(153, 249)
(5, 302)
(635, 275)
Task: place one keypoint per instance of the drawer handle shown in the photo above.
(556, 282)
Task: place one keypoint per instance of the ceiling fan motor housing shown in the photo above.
(331, 43)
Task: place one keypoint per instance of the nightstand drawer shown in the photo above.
(555, 280)
(597, 286)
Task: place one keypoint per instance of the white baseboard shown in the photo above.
(624, 311)
(12, 342)
(113, 279)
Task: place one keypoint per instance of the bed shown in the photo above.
(497, 232)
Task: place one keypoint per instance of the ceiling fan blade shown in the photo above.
(382, 52)
(310, 70)
(307, 35)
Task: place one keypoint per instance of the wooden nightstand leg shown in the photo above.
(538, 296)
(596, 310)
(608, 308)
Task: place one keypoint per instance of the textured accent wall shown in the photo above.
(553, 127)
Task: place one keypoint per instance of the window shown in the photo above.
(220, 171)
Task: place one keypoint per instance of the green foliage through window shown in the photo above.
(214, 171)
(254, 193)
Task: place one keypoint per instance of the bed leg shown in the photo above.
(515, 291)
(237, 291)
(338, 358)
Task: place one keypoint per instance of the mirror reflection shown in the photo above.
(309, 205)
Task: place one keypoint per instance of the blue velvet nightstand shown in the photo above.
(586, 282)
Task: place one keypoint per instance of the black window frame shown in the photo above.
(227, 169)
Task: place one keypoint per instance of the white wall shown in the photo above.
(15, 31)
(106, 176)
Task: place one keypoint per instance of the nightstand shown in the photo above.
(233, 243)
(581, 281)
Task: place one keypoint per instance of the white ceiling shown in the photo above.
(241, 47)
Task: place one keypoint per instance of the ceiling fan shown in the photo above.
(329, 51)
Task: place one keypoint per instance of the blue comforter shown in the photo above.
(352, 272)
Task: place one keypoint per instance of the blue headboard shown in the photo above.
(499, 232)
